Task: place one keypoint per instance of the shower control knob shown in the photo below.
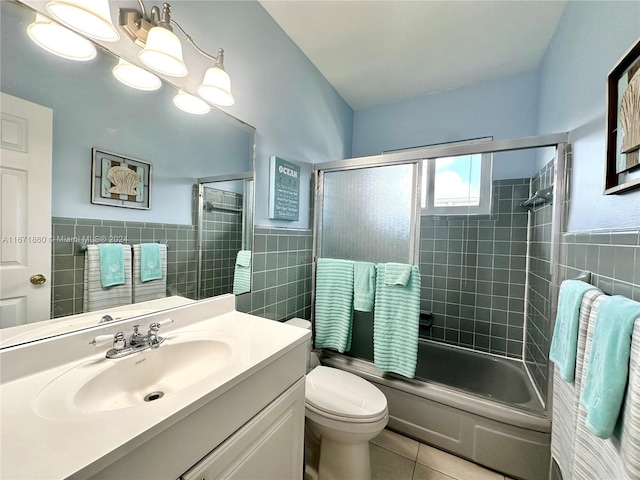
(37, 279)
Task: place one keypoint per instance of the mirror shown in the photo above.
(92, 110)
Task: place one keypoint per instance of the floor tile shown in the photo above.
(454, 466)
(387, 465)
(425, 473)
(397, 443)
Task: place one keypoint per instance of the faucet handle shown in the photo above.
(118, 340)
(102, 340)
(155, 326)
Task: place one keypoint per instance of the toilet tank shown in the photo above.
(312, 358)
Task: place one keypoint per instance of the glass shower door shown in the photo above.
(368, 214)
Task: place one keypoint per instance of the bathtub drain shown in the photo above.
(153, 396)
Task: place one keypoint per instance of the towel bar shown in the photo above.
(584, 277)
(80, 247)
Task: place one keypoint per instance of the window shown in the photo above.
(457, 185)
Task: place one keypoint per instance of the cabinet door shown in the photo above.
(269, 447)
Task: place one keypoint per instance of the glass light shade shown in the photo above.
(163, 53)
(90, 17)
(135, 77)
(59, 40)
(216, 87)
(190, 103)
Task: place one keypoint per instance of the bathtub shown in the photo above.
(476, 406)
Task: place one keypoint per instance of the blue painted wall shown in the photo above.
(590, 39)
(504, 108)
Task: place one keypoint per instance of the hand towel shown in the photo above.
(150, 262)
(334, 304)
(565, 334)
(151, 289)
(608, 366)
(397, 274)
(242, 274)
(111, 264)
(396, 322)
(364, 286)
(94, 295)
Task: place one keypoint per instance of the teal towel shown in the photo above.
(397, 274)
(150, 262)
(242, 274)
(608, 368)
(111, 264)
(334, 304)
(364, 286)
(564, 344)
(396, 322)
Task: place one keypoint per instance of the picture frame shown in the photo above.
(120, 181)
(622, 172)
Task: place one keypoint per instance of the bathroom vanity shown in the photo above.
(221, 397)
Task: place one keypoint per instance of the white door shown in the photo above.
(25, 211)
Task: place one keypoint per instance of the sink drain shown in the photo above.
(153, 396)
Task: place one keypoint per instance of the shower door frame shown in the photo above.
(247, 214)
(561, 181)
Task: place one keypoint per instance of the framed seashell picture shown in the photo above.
(623, 124)
(120, 181)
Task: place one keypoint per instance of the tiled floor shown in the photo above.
(396, 457)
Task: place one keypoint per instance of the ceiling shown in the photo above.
(378, 52)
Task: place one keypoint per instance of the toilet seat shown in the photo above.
(343, 396)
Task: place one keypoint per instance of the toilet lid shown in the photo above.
(341, 393)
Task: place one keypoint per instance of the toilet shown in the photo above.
(343, 412)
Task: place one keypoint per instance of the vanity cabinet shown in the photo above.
(269, 447)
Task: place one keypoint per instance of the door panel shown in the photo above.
(25, 211)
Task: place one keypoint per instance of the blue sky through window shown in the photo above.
(457, 181)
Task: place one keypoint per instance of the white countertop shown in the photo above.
(41, 446)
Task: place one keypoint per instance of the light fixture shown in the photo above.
(136, 77)
(216, 86)
(162, 50)
(89, 17)
(59, 40)
(163, 53)
(190, 103)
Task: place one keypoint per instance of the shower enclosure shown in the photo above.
(487, 249)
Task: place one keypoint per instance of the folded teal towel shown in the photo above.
(334, 304)
(242, 274)
(564, 344)
(150, 262)
(396, 322)
(111, 264)
(397, 274)
(364, 286)
(608, 368)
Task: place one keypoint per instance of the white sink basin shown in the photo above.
(148, 376)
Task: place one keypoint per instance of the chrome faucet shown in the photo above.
(137, 342)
